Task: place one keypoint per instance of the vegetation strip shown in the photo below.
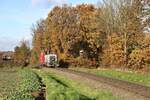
(143, 79)
(60, 88)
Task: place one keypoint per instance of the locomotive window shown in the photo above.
(52, 58)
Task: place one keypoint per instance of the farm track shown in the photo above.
(137, 89)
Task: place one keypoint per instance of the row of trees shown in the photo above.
(114, 33)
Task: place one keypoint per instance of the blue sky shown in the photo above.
(17, 17)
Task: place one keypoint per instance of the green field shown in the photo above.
(143, 79)
(19, 84)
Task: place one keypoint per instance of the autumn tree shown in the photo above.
(140, 57)
(113, 53)
(67, 29)
(38, 40)
(93, 36)
(22, 53)
(123, 17)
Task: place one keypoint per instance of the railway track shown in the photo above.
(127, 86)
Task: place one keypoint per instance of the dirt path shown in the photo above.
(99, 85)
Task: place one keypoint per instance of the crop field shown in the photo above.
(20, 84)
(23, 84)
(9, 80)
(143, 79)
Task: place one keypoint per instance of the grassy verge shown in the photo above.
(143, 79)
(60, 88)
(28, 83)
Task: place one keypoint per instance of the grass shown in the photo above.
(61, 88)
(59, 91)
(143, 79)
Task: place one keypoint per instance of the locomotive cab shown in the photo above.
(51, 60)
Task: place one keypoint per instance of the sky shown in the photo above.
(18, 16)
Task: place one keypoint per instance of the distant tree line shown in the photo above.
(112, 34)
